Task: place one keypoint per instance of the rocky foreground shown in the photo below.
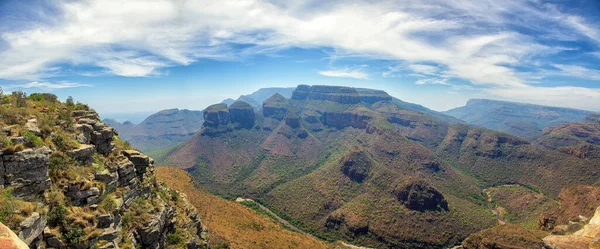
(70, 182)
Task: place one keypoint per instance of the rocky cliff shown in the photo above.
(339, 94)
(219, 118)
(70, 182)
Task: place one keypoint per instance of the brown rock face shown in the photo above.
(242, 114)
(420, 196)
(345, 119)
(216, 115)
(292, 119)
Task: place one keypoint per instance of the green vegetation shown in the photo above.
(34, 141)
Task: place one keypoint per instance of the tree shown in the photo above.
(1, 93)
(70, 101)
(20, 98)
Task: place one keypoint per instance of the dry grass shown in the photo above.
(228, 221)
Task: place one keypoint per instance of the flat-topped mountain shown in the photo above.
(519, 119)
(160, 130)
(256, 99)
(347, 163)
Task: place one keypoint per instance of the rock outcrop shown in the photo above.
(216, 115)
(356, 165)
(242, 114)
(420, 196)
(98, 195)
(292, 119)
(275, 107)
(588, 237)
(9, 240)
(345, 119)
(26, 172)
(339, 94)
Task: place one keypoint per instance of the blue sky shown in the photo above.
(144, 56)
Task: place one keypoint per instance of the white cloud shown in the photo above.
(469, 39)
(578, 72)
(48, 85)
(438, 81)
(356, 73)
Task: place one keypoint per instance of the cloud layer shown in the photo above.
(485, 43)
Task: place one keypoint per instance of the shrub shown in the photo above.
(20, 98)
(109, 204)
(174, 195)
(57, 215)
(34, 141)
(70, 102)
(63, 142)
(174, 238)
(42, 97)
(74, 235)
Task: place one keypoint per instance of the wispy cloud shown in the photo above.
(578, 72)
(481, 42)
(48, 85)
(356, 73)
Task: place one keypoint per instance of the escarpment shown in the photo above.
(75, 184)
(219, 118)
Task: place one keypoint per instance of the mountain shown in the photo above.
(68, 181)
(256, 99)
(419, 108)
(519, 119)
(160, 130)
(346, 163)
(579, 138)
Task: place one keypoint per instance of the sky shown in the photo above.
(138, 57)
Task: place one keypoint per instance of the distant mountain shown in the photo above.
(419, 108)
(160, 130)
(519, 119)
(256, 99)
(353, 164)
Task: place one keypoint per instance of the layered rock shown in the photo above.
(26, 171)
(345, 119)
(242, 114)
(216, 115)
(339, 94)
(32, 229)
(292, 119)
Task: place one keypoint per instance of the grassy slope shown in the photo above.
(521, 205)
(231, 223)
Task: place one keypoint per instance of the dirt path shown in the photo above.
(279, 219)
(289, 225)
(490, 205)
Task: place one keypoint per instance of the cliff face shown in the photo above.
(219, 118)
(339, 94)
(74, 184)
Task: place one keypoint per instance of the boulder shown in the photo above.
(84, 154)
(216, 115)
(141, 162)
(84, 131)
(32, 229)
(52, 240)
(27, 171)
(32, 126)
(110, 179)
(9, 240)
(420, 196)
(126, 171)
(153, 235)
(242, 114)
(104, 220)
(102, 139)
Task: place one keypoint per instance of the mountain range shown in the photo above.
(519, 119)
(352, 164)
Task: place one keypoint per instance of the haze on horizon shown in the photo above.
(144, 56)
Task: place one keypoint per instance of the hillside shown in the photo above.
(68, 181)
(519, 119)
(581, 139)
(351, 164)
(232, 224)
(160, 130)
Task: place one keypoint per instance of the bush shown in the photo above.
(174, 238)
(63, 142)
(74, 235)
(70, 102)
(34, 141)
(57, 214)
(109, 204)
(20, 98)
(43, 97)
